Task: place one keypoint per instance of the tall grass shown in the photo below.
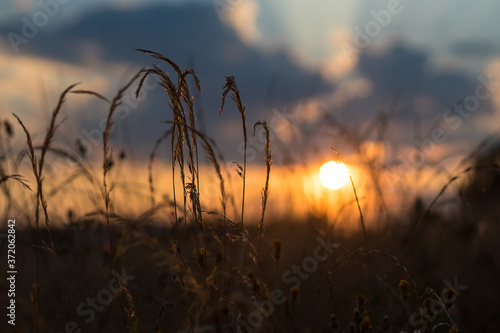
(265, 189)
(232, 87)
(37, 167)
(107, 160)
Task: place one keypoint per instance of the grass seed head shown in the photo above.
(404, 288)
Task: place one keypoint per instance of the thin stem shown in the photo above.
(356, 197)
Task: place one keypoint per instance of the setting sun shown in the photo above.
(333, 175)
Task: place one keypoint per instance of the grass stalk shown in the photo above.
(232, 87)
(265, 189)
(107, 155)
(37, 167)
(356, 197)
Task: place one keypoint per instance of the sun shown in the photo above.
(333, 175)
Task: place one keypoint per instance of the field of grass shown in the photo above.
(181, 265)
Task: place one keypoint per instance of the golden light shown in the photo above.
(333, 175)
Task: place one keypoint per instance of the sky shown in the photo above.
(297, 65)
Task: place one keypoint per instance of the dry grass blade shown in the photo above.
(207, 146)
(18, 178)
(191, 72)
(32, 156)
(356, 141)
(109, 121)
(388, 257)
(146, 72)
(150, 164)
(356, 197)
(166, 82)
(107, 160)
(233, 87)
(40, 196)
(52, 128)
(180, 134)
(180, 99)
(163, 58)
(150, 213)
(477, 150)
(31, 151)
(443, 189)
(41, 199)
(132, 319)
(89, 92)
(70, 157)
(265, 190)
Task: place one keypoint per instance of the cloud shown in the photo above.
(405, 70)
(189, 34)
(30, 86)
(399, 83)
(98, 48)
(491, 121)
(24, 6)
(243, 18)
(339, 64)
(475, 48)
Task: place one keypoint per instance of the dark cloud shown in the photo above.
(405, 71)
(476, 48)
